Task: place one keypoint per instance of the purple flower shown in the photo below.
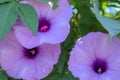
(29, 64)
(94, 58)
(53, 24)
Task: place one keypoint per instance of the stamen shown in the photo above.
(44, 28)
(99, 70)
(44, 25)
(99, 66)
(31, 53)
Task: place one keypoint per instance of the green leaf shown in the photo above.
(117, 16)
(110, 24)
(55, 5)
(3, 75)
(8, 16)
(3, 1)
(66, 75)
(61, 61)
(29, 17)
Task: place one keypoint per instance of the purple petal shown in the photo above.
(63, 10)
(56, 34)
(90, 48)
(17, 65)
(59, 24)
(26, 37)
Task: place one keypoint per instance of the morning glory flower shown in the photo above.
(53, 24)
(94, 58)
(28, 64)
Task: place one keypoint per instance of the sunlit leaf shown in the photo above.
(110, 24)
(117, 16)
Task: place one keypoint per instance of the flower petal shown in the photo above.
(25, 36)
(63, 10)
(59, 24)
(17, 65)
(92, 47)
(7, 50)
(56, 34)
(48, 56)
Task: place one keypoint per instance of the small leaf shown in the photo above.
(117, 16)
(29, 17)
(110, 24)
(55, 5)
(3, 75)
(8, 16)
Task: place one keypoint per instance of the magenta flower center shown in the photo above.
(44, 25)
(99, 66)
(31, 53)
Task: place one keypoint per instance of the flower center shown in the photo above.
(31, 53)
(44, 25)
(99, 66)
